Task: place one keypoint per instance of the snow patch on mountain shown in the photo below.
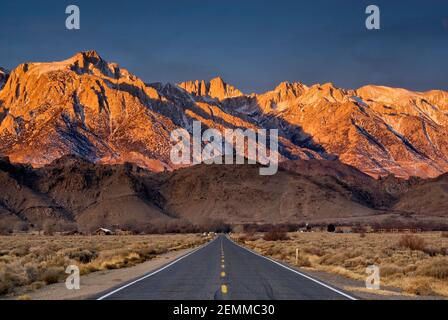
(4, 74)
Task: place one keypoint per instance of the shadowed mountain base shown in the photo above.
(74, 192)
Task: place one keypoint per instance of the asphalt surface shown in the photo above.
(223, 270)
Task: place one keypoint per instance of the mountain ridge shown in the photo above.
(91, 108)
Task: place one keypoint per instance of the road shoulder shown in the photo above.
(358, 288)
(355, 288)
(97, 282)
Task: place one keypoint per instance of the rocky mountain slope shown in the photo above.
(88, 107)
(76, 191)
(82, 106)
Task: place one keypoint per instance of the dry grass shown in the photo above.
(32, 262)
(275, 235)
(416, 264)
(412, 242)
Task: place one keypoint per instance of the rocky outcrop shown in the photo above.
(215, 88)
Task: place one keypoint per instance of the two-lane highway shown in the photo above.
(222, 269)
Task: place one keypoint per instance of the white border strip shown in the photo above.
(155, 272)
(297, 272)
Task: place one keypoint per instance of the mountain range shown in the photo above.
(88, 107)
(85, 141)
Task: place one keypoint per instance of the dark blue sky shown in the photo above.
(253, 44)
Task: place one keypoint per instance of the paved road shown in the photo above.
(224, 270)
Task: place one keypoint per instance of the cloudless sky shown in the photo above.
(252, 44)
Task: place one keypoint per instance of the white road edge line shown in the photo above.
(155, 272)
(297, 272)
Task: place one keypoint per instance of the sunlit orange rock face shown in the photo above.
(89, 107)
(81, 106)
(216, 88)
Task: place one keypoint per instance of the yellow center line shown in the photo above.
(224, 288)
(223, 274)
(223, 266)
